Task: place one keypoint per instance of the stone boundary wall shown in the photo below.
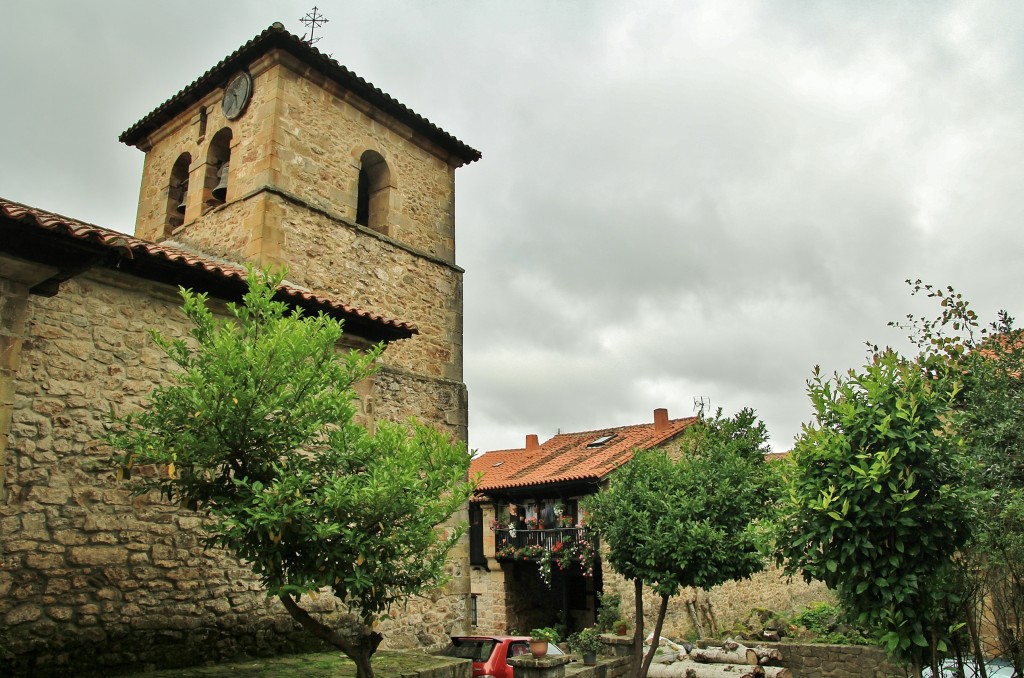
(607, 667)
(731, 602)
(458, 668)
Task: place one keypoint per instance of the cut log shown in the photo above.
(694, 670)
(767, 654)
(720, 655)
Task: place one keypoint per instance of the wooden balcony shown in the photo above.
(528, 544)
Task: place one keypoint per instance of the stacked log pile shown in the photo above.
(730, 660)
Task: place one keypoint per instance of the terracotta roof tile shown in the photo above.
(567, 457)
(277, 36)
(142, 256)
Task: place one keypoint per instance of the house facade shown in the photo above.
(535, 562)
(276, 156)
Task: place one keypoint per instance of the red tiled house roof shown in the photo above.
(72, 247)
(571, 457)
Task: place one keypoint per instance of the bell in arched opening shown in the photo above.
(220, 191)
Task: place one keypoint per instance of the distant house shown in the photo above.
(526, 525)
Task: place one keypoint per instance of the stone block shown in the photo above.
(97, 555)
(23, 613)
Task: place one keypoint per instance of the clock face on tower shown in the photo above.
(236, 95)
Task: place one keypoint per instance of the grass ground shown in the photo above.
(317, 665)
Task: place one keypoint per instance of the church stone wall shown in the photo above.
(321, 134)
(93, 579)
(350, 263)
(303, 135)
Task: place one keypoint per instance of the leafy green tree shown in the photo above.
(257, 430)
(989, 414)
(674, 523)
(877, 507)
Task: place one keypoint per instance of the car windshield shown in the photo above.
(477, 649)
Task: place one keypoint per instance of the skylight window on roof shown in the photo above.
(600, 441)
(497, 464)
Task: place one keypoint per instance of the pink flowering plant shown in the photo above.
(564, 555)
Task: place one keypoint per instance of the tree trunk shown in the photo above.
(657, 637)
(718, 655)
(972, 628)
(638, 631)
(767, 654)
(359, 645)
(691, 607)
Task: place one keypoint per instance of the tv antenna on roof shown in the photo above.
(700, 405)
(313, 20)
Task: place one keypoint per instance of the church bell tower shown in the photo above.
(280, 156)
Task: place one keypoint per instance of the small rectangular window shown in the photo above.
(600, 441)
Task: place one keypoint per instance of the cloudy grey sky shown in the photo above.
(677, 198)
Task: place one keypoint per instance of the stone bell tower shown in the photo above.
(280, 156)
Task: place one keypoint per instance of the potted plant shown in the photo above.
(539, 639)
(621, 626)
(587, 643)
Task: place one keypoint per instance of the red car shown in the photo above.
(490, 653)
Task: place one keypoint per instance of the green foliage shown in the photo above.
(609, 609)
(258, 431)
(586, 640)
(688, 522)
(673, 524)
(825, 624)
(545, 633)
(876, 508)
(988, 363)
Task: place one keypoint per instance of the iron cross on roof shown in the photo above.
(312, 20)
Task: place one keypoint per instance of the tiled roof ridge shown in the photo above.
(608, 429)
(277, 33)
(131, 246)
(569, 446)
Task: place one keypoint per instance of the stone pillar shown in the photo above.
(17, 278)
(550, 666)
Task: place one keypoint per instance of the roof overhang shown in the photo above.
(69, 247)
(277, 37)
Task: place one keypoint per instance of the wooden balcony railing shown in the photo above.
(528, 544)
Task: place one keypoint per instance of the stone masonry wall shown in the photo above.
(836, 661)
(303, 135)
(731, 602)
(356, 266)
(321, 134)
(89, 575)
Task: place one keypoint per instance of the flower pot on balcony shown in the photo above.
(538, 648)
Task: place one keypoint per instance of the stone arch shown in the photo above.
(177, 193)
(218, 160)
(373, 195)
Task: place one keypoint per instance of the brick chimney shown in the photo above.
(660, 419)
(531, 442)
